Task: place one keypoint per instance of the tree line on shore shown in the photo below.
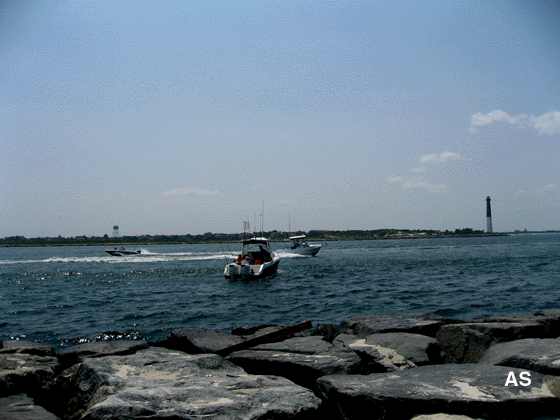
(209, 237)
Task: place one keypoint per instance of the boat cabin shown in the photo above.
(258, 250)
(297, 241)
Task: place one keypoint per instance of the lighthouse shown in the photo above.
(488, 215)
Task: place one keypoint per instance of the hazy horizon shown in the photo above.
(193, 116)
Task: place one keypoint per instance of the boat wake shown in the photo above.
(286, 253)
(140, 258)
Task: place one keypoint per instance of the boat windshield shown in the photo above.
(257, 251)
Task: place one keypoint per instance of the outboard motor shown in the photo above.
(232, 271)
(245, 272)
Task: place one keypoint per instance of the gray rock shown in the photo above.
(75, 354)
(549, 319)
(158, 383)
(269, 330)
(419, 349)
(17, 346)
(471, 390)
(200, 341)
(253, 331)
(21, 407)
(441, 416)
(466, 343)
(209, 341)
(364, 325)
(539, 355)
(26, 373)
(374, 358)
(327, 331)
(300, 359)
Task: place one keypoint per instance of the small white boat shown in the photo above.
(257, 261)
(298, 245)
(121, 252)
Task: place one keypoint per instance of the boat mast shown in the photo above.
(246, 227)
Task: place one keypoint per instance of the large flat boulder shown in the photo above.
(364, 325)
(21, 407)
(419, 349)
(441, 416)
(17, 346)
(539, 355)
(75, 354)
(27, 373)
(549, 319)
(251, 331)
(300, 359)
(159, 383)
(476, 391)
(466, 343)
(199, 341)
(374, 358)
(209, 341)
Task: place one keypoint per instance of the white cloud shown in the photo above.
(416, 183)
(442, 157)
(520, 192)
(550, 188)
(548, 123)
(497, 115)
(189, 190)
(259, 187)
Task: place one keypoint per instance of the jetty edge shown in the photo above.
(368, 366)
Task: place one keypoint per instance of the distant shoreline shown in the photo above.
(133, 241)
(274, 236)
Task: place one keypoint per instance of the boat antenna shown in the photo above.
(225, 254)
(246, 227)
(289, 225)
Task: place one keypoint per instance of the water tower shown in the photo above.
(115, 231)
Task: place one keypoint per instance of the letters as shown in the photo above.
(524, 379)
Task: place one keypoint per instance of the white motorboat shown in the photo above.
(256, 261)
(121, 252)
(298, 245)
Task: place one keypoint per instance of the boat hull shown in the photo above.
(307, 250)
(121, 252)
(236, 271)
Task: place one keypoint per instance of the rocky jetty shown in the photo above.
(368, 366)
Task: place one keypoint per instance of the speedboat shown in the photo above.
(121, 252)
(298, 245)
(256, 261)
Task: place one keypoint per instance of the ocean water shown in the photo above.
(65, 295)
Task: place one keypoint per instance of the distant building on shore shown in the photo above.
(115, 231)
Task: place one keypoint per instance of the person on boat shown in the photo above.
(239, 259)
(265, 256)
(245, 260)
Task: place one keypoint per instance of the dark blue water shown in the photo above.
(57, 295)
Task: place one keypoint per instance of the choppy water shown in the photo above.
(55, 295)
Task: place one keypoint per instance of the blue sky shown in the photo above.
(174, 117)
